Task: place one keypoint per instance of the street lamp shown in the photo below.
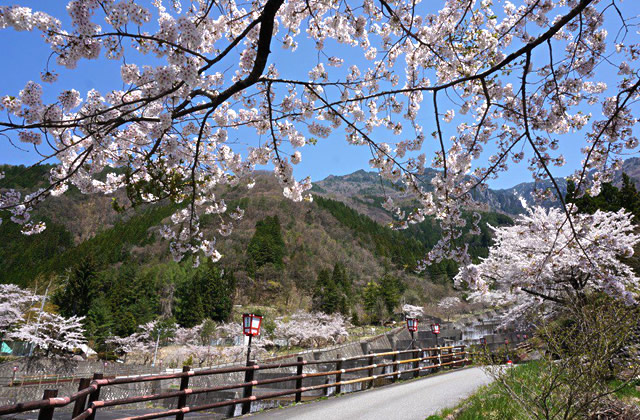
(412, 326)
(250, 327)
(435, 329)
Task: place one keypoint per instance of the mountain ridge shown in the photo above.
(365, 190)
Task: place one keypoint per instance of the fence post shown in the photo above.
(94, 396)
(416, 364)
(463, 356)
(248, 389)
(339, 374)
(299, 380)
(13, 376)
(395, 368)
(182, 399)
(78, 407)
(46, 413)
(370, 371)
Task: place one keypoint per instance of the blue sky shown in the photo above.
(26, 55)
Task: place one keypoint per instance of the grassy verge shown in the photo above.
(486, 403)
(490, 403)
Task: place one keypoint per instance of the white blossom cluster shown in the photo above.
(141, 342)
(52, 333)
(190, 344)
(412, 311)
(21, 319)
(545, 257)
(449, 302)
(312, 329)
(14, 304)
(490, 79)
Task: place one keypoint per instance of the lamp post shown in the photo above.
(250, 327)
(412, 326)
(435, 329)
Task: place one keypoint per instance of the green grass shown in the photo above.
(629, 391)
(490, 403)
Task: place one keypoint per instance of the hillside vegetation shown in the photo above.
(324, 255)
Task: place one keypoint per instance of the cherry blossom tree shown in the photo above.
(487, 82)
(193, 345)
(412, 311)
(14, 304)
(52, 333)
(312, 329)
(141, 343)
(185, 336)
(22, 319)
(542, 259)
(449, 304)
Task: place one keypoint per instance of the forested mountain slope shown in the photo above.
(114, 269)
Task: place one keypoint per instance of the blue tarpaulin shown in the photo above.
(5, 348)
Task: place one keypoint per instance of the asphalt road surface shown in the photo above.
(410, 400)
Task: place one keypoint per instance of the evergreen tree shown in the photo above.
(207, 294)
(609, 199)
(629, 198)
(266, 245)
(333, 291)
(373, 302)
(391, 289)
(99, 323)
(219, 287)
(344, 287)
(189, 308)
(77, 292)
(325, 297)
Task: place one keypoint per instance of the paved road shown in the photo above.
(415, 399)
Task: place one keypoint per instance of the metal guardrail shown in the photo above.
(87, 400)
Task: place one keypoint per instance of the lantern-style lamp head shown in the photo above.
(251, 324)
(435, 328)
(412, 324)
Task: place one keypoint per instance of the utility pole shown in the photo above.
(44, 299)
(155, 353)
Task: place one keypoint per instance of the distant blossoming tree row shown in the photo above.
(299, 329)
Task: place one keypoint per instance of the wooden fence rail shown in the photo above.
(87, 400)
